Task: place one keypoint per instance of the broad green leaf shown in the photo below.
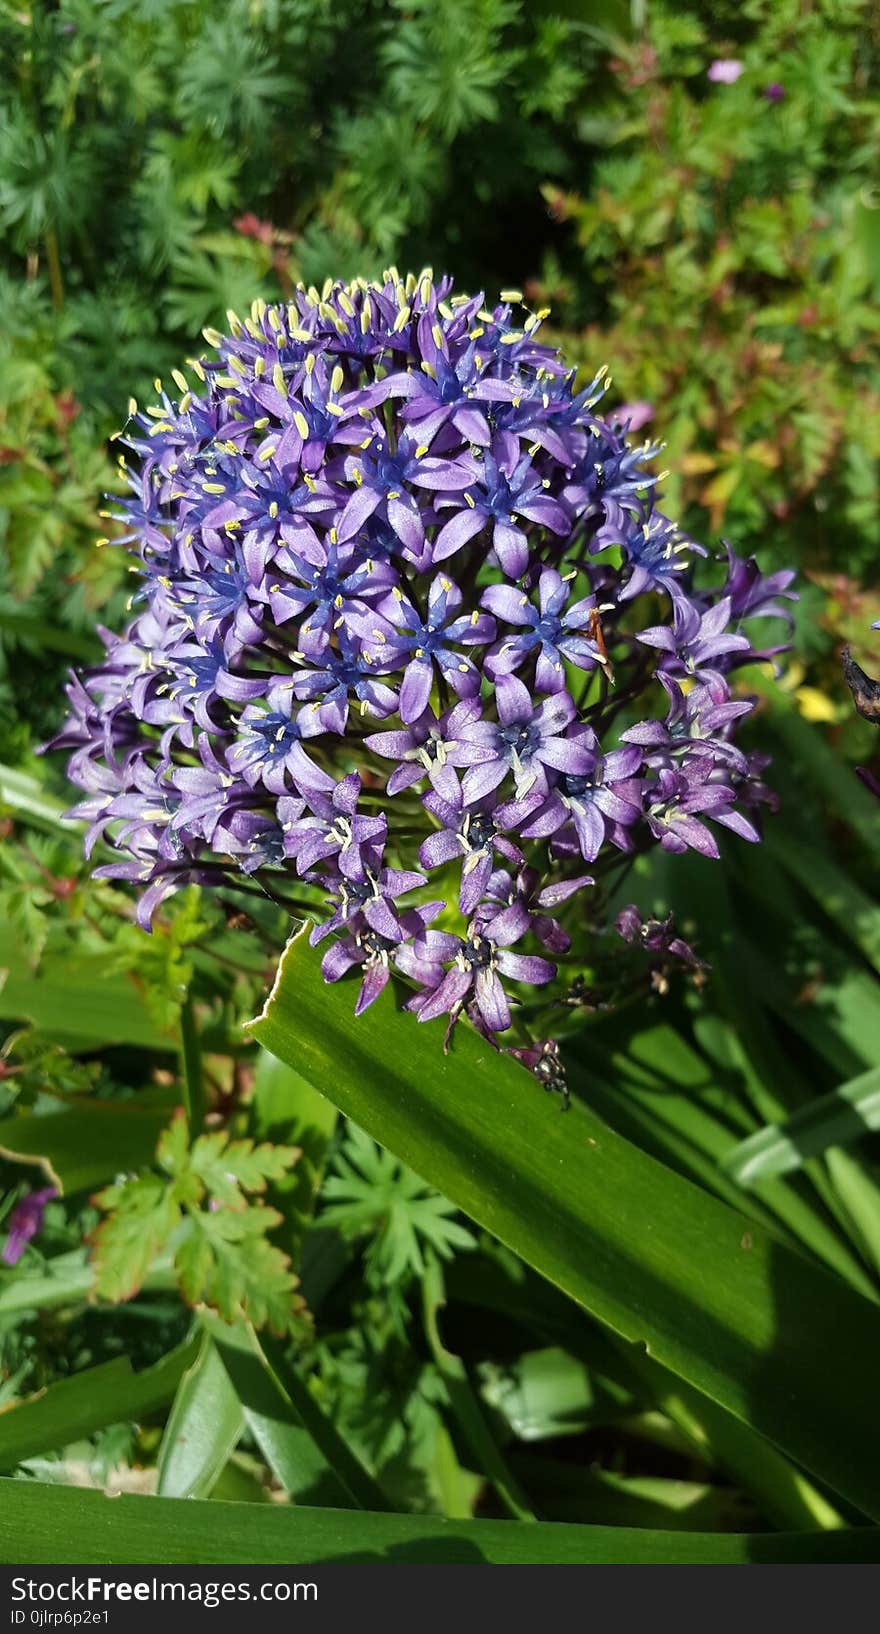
(841, 1021)
(464, 1402)
(851, 909)
(47, 1525)
(288, 1110)
(310, 1459)
(710, 1294)
(68, 1280)
(785, 1496)
(544, 1394)
(624, 1376)
(203, 1428)
(79, 1000)
(78, 1406)
(860, 1194)
(830, 1120)
(49, 637)
(26, 797)
(571, 1492)
(673, 1127)
(85, 1145)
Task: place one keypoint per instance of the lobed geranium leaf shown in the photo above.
(220, 1244)
(142, 1213)
(225, 1261)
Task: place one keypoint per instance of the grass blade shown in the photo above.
(831, 1120)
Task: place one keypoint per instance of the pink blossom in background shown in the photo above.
(634, 415)
(24, 1223)
(725, 70)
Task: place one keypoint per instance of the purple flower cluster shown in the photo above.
(410, 628)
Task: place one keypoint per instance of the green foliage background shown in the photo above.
(162, 161)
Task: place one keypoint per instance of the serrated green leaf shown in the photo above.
(229, 1167)
(142, 1213)
(225, 1261)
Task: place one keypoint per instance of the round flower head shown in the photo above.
(413, 637)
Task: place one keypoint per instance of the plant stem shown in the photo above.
(53, 264)
(193, 1084)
